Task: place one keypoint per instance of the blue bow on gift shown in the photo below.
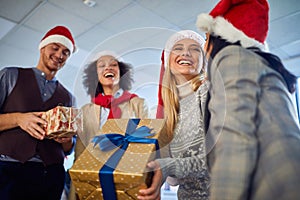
(111, 141)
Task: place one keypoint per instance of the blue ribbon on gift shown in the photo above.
(111, 141)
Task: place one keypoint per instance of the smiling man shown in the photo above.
(30, 165)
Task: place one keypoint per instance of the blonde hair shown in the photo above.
(171, 100)
(169, 92)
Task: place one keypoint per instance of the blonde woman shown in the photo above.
(182, 95)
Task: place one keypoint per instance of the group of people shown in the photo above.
(233, 129)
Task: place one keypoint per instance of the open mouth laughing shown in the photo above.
(185, 62)
(109, 75)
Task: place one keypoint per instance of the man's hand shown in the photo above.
(67, 142)
(63, 139)
(32, 123)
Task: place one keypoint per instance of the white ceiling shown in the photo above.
(136, 29)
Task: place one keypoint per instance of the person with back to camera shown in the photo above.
(182, 94)
(256, 140)
(31, 166)
(107, 80)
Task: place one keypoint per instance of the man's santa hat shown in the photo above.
(59, 34)
(238, 20)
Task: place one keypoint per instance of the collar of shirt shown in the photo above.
(38, 73)
(105, 111)
(118, 93)
(184, 89)
(47, 87)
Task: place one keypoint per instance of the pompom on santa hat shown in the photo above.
(59, 34)
(238, 20)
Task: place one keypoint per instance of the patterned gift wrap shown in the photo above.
(62, 121)
(130, 174)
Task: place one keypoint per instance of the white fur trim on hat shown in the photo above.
(180, 35)
(57, 39)
(219, 26)
(107, 53)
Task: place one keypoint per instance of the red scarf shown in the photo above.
(108, 101)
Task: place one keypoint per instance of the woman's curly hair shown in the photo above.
(93, 86)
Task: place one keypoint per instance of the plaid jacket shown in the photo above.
(253, 140)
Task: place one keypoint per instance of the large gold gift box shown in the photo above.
(62, 121)
(130, 174)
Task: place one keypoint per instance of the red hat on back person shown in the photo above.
(59, 34)
(238, 20)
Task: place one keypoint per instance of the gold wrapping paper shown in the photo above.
(62, 121)
(130, 174)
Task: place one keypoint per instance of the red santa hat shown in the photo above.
(59, 34)
(180, 35)
(238, 20)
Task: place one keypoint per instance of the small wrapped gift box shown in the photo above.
(119, 173)
(62, 121)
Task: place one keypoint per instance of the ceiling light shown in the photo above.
(89, 3)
